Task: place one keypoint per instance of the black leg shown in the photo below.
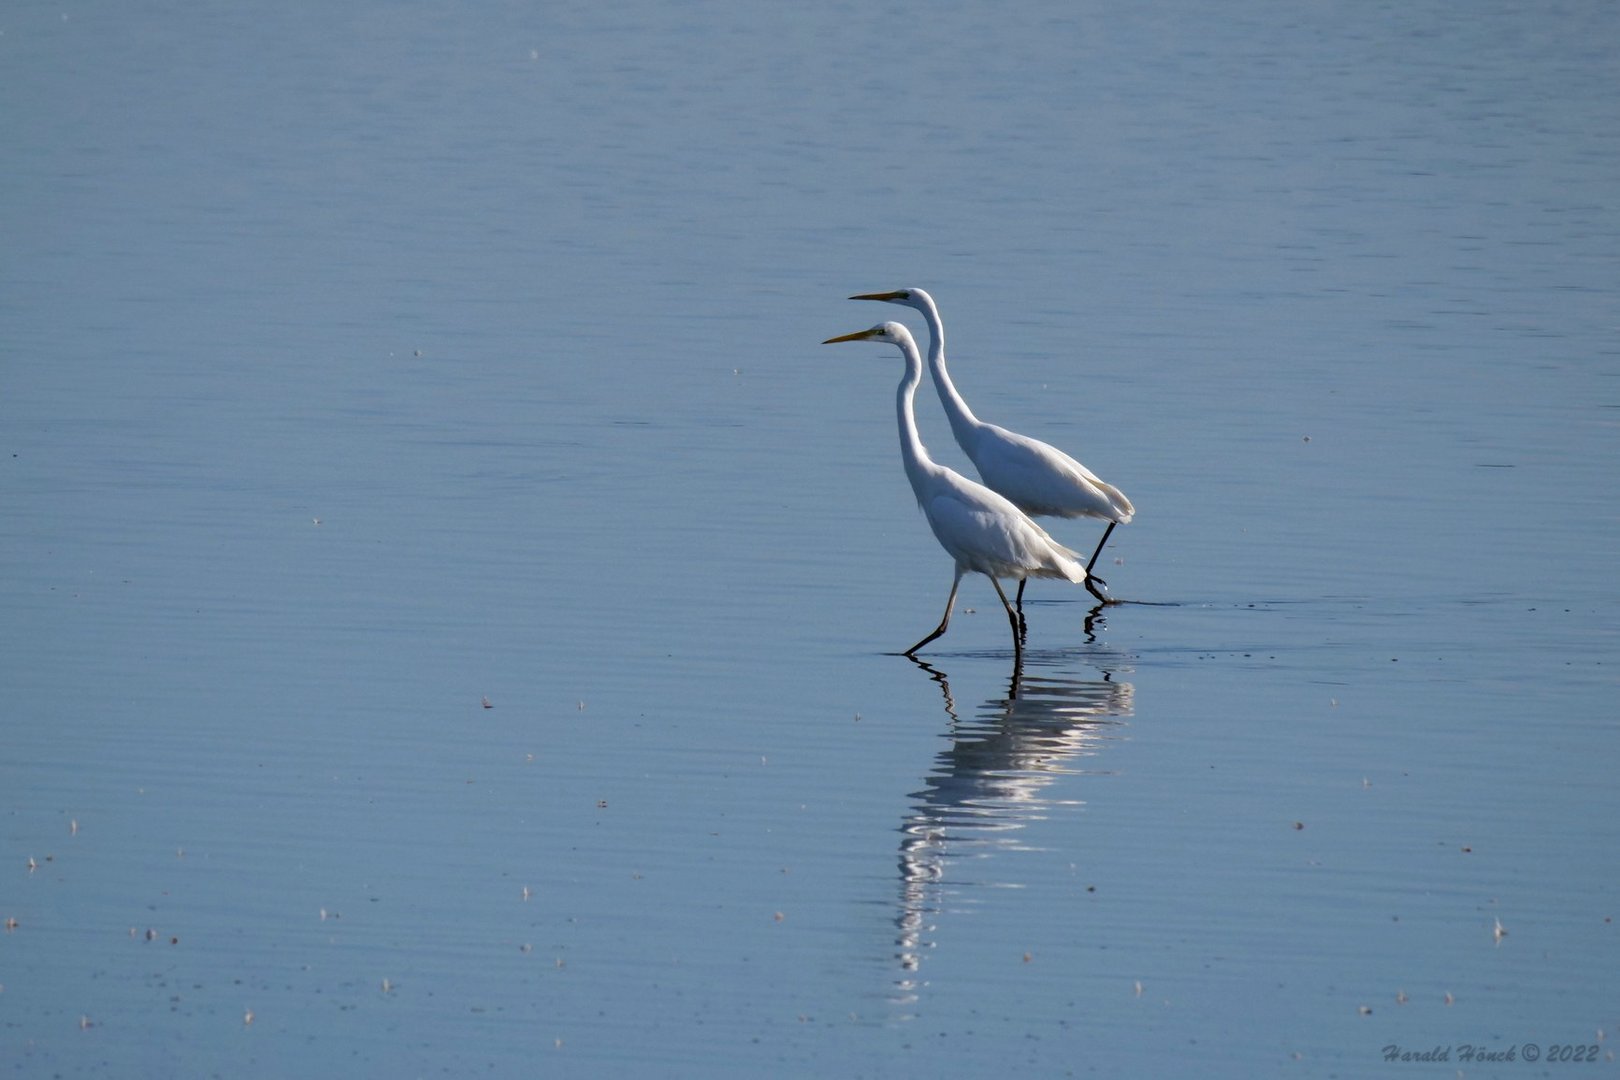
(946, 621)
(1012, 617)
(1106, 534)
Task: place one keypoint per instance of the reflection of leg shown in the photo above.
(950, 602)
(1017, 684)
(1012, 617)
(1094, 619)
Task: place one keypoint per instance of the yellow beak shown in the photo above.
(859, 335)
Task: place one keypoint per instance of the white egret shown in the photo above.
(982, 531)
(1039, 478)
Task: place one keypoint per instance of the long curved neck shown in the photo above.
(913, 453)
(963, 422)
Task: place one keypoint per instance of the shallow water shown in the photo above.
(451, 595)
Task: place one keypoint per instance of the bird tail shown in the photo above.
(1071, 564)
(1123, 509)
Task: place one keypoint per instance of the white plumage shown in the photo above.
(1039, 478)
(981, 530)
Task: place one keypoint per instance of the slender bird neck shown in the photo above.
(912, 451)
(963, 422)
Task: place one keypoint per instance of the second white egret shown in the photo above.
(1040, 479)
(984, 532)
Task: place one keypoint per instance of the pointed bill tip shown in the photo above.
(859, 335)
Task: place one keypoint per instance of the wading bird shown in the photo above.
(981, 530)
(1040, 479)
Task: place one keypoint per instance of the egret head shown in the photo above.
(891, 332)
(912, 298)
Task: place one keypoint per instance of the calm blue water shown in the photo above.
(362, 367)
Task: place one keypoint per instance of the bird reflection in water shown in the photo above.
(993, 780)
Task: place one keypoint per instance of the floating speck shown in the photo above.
(1400, 997)
(1449, 998)
(1365, 1010)
(247, 1018)
(1501, 931)
(73, 827)
(487, 705)
(387, 987)
(1138, 987)
(1028, 957)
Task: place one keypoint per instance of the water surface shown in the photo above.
(450, 595)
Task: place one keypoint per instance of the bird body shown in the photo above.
(1042, 480)
(1037, 477)
(986, 533)
(982, 531)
